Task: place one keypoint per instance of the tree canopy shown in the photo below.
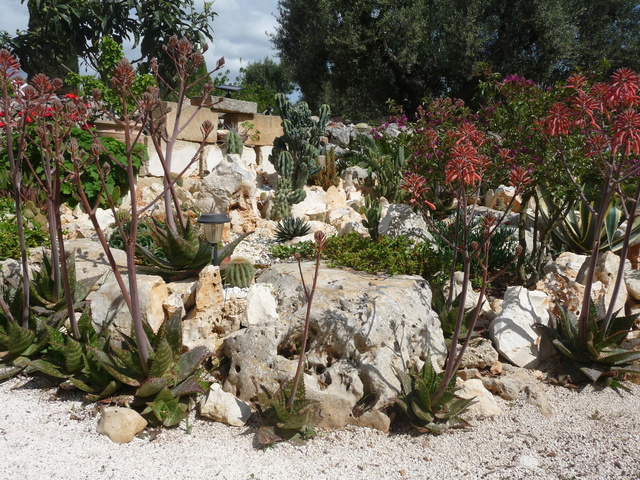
(357, 54)
(61, 31)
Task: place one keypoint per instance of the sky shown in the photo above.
(241, 30)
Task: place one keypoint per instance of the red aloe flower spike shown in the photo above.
(9, 66)
(627, 132)
(123, 76)
(557, 122)
(519, 177)
(623, 88)
(413, 183)
(462, 165)
(576, 81)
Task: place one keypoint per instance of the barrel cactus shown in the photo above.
(239, 272)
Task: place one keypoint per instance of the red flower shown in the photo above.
(557, 123)
(623, 88)
(462, 165)
(414, 184)
(627, 132)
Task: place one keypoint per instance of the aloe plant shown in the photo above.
(186, 253)
(291, 227)
(173, 378)
(72, 360)
(283, 422)
(424, 408)
(17, 343)
(603, 359)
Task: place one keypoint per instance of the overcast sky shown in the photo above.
(240, 30)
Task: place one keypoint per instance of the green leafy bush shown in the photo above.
(394, 256)
(306, 250)
(117, 180)
(36, 236)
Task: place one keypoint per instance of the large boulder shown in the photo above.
(228, 180)
(513, 330)
(402, 220)
(361, 327)
(109, 310)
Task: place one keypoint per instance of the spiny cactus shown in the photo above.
(239, 272)
(234, 143)
(295, 153)
(290, 228)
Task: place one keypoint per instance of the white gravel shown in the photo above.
(593, 434)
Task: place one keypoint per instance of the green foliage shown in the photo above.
(329, 175)
(36, 236)
(357, 55)
(385, 159)
(603, 358)
(239, 272)
(577, 232)
(90, 177)
(295, 153)
(284, 423)
(417, 400)
(502, 246)
(73, 361)
(290, 228)
(372, 212)
(306, 250)
(184, 252)
(448, 316)
(233, 143)
(110, 53)
(48, 299)
(394, 256)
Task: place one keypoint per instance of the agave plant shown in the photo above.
(283, 422)
(604, 359)
(577, 232)
(291, 227)
(418, 390)
(186, 253)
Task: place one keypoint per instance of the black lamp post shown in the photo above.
(213, 228)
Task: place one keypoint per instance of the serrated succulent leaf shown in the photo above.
(173, 332)
(19, 338)
(116, 371)
(162, 359)
(46, 368)
(151, 387)
(73, 354)
(189, 387)
(190, 361)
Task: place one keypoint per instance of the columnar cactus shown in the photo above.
(234, 143)
(295, 153)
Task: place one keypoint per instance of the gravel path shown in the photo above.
(593, 434)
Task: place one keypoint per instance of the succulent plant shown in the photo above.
(234, 143)
(577, 232)
(373, 212)
(291, 227)
(295, 153)
(604, 359)
(186, 253)
(418, 388)
(284, 423)
(239, 272)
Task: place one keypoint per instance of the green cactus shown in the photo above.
(234, 143)
(239, 272)
(295, 153)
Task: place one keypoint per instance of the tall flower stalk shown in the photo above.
(600, 123)
(464, 174)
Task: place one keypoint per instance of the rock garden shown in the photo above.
(415, 276)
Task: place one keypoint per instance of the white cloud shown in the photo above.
(241, 30)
